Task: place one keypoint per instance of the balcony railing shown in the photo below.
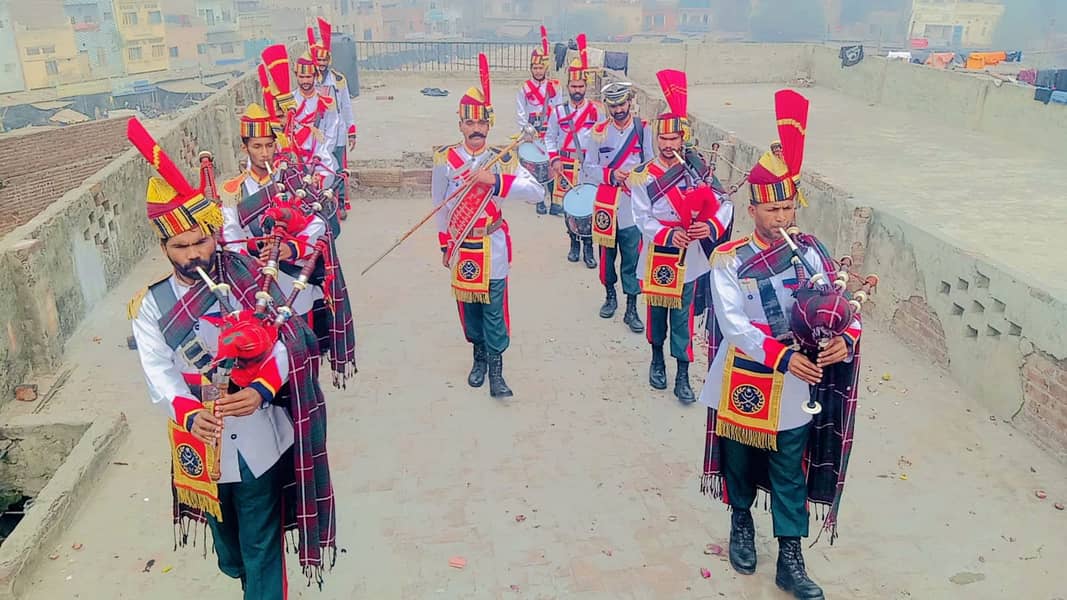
(442, 56)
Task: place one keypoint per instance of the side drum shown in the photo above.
(535, 160)
(578, 210)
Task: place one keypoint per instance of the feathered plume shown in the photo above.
(483, 74)
(325, 33)
(673, 84)
(150, 150)
(544, 40)
(792, 111)
(583, 53)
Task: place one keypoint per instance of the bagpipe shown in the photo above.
(824, 308)
(698, 202)
(246, 336)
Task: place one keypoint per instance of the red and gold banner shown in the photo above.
(605, 215)
(470, 275)
(749, 407)
(664, 277)
(191, 459)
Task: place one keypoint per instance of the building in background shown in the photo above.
(659, 16)
(45, 45)
(96, 35)
(186, 37)
(957, 24)
(142, 33)
(10, 66)
(694, 16)
(224, 44)
(404, 19)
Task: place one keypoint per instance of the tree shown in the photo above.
(787, 21)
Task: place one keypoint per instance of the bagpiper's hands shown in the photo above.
(804, 369)
(240, 404)
(206, 427)
(835, 352)
(680, 239)
(699, 231)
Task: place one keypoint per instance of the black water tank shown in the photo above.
(343, 49)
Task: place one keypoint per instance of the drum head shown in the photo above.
(578, 201)
(531, 152)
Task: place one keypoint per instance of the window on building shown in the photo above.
(226, 48)
(73, 21)
(134, 53)
(9, 68)
(368, 35)
(49, 49)
(226, 16)
(658, 20)
(174, 52)
(155, 17)
(158, 51)
(52, 67)
(107, 17)
(101, 56)
(33, 51)
(88, 19)
(129, 18)
(201, 49)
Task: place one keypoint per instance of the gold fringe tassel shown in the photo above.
(200, 502)
(757, 439)
(603, 240)
(663, 301)
(471, 297)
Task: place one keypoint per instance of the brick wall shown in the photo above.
(37, 169)
(919, 326)
(1044, 411)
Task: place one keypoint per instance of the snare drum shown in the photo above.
(578, 210)
(535, 160)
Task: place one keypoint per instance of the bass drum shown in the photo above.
(578, 210)
(535, 160)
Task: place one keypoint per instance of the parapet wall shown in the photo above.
(56, 268)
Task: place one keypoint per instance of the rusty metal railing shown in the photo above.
(442, 56)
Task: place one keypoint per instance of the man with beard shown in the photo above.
(317, 116)
(759, 437)
(480, 261)
(569, 126)
(537, 97)
(617, 146)
(180, 328)
(682, 220)
(332, 84)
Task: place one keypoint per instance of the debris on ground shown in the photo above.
(148, 565)
(457, 562)
(706, 574)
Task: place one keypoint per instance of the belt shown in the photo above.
(490, 229)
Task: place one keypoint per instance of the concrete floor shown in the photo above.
(603, 468)
(991, 197)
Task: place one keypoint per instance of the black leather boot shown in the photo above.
(611, 302)
(791, 575)
(556, 209)
(742, 541)
(587, 254)
(630, 316)
(576, 248)
(478, 370)
(657, 371)
(681, 384)
(498, 388)
(541, 208)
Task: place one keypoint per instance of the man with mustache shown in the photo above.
(317, 121)
(537, 97)
(759, 437)
(480, 259)
(682, 220)
(617, 145)
(180, 327)
(332, 84)
(569, 127)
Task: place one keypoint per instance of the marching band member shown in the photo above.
(569, 127)
(617, 145)
(176, 323)
(332, 84)
(681, 220)
(483, 256)
(537, 96)
(759, 436)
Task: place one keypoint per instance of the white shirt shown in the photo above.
(603, 148)
(322, 143)
(338, 90)
(561, 122)
(520, 185)
(527, 102)
(261, 437)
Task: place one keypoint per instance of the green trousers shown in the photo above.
(681, 326)
(745, 465)
(248, 541)
(628, 244)
(488, 324)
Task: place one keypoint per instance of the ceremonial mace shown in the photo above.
(462, 191)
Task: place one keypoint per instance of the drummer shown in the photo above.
(536, 97)
(617, 145)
